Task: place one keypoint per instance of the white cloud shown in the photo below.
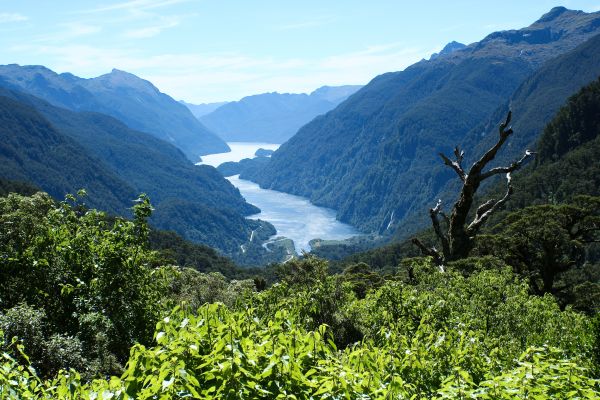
(12, 17)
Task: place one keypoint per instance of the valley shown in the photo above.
(292, 216)
(310, 200)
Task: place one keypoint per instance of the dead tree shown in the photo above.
(457, 236)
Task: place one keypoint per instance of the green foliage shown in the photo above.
(543, 241)
(443, 336)
(362, 279)
(575, 124)
(87, 284)
(191, 289)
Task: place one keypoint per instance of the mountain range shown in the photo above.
(136, 102)
(272, 117)
(62, 151)
(374, 158)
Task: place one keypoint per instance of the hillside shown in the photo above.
(134, 101)
(566, 164)
(195, 201)
(534, 103)
(565, 167)
(374, 158)
(273, 117)
(32, 150)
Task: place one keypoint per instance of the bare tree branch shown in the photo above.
(455, 165)
(428, 251)
(504, 131)
(490, 208)
(457, 241)
(445, 217)
(512, 167)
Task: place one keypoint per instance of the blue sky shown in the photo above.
(206, 51)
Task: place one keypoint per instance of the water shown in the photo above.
(239, 151)
(294, 217)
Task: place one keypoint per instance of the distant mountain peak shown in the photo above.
(449, 48)
(118, 77)
(116, 71)
(553, 14)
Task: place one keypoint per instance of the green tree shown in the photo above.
(547, 240)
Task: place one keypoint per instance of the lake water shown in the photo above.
(293, 216)
(239, 151)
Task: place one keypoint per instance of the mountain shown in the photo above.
(568, 151)
(449, 48)
(100, 154)
(33, 150)
(200, 110)
(566, 165)
(273, 117)
(534, 102)
(374, 157)
(122, 95)
(538, 98)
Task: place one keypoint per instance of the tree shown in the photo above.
(457, 239)
(546, 240)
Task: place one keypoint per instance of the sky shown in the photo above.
(205, 51)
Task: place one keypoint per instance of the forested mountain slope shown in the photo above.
(273, 117)
(122, 95)
(32, 150)
(374, 158)
(567, 160)
(534, 103)
(148, 165)
(566, 166)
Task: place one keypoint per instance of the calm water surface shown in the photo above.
(239, 151)
(294, 217)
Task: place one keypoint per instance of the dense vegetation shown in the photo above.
(471, 332)
(80, 288)
(62, 151)
(124, 96)
(371, 158)
(32, 150)
(548, 203)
